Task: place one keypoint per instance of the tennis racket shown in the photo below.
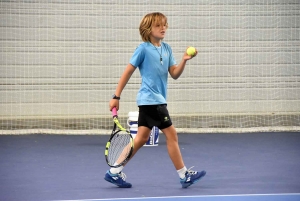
(120, 144)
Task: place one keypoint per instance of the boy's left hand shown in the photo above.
(188, 57)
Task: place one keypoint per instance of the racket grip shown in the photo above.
(114, 112)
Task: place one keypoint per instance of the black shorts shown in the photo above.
(154, 115)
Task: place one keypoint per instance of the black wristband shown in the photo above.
(116, 97)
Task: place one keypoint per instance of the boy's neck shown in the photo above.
(155, 42)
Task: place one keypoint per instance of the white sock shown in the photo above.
(116, 170)
(182, 172)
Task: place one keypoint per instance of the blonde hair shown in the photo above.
(148, 21)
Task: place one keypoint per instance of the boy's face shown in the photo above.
(158, 29)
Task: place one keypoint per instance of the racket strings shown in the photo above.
(119, 149)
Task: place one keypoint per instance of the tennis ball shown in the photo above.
(191, 51)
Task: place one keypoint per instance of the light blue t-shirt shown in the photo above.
(153, 90)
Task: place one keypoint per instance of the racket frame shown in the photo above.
(116, 129)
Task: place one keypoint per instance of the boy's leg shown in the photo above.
(173, 147)
(187, 177)
(141, 138)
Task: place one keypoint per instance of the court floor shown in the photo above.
(250, 197)
(247, 166)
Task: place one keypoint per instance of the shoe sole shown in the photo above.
(120, 186)
(195, 181)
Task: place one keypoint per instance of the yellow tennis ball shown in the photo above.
(191, 51)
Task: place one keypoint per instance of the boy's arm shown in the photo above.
(121, 85)
(176, 71)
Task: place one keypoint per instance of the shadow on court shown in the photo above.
(61, 167)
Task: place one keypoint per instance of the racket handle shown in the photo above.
(114, 112)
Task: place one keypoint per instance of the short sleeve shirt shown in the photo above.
(154, 72)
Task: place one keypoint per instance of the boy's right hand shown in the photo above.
(113, 103)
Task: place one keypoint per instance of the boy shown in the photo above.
(155, 60)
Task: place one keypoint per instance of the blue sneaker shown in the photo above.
(191, 177)
(117, 179)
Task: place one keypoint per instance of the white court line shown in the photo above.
(193, 196)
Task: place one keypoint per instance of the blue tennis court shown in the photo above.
(248, 166)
